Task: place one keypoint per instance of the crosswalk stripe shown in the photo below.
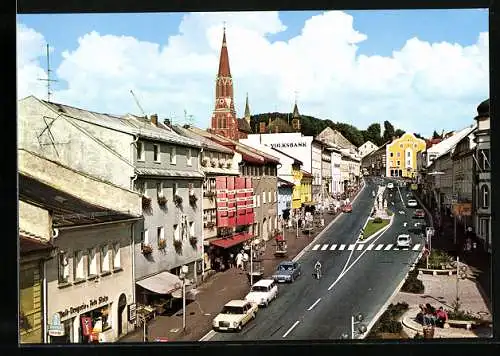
(360, 247)
(351, 247)
(395, 249)
(333, 247)
(388, 247)
(406, 249)
(316, 247)
(379, 247)
(416, 247)
(342, 247)
(370, 247)
(325, 246)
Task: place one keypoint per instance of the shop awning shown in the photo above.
(161, 283)
(231, 241)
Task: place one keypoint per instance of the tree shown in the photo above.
(373, 133)
(419, 136)
(435, 134)
(399, 133)
(388, 131)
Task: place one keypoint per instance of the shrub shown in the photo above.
(413, 284)
(418, 336)
(377, 220)
(390, 326)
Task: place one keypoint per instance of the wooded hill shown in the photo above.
(312, 126)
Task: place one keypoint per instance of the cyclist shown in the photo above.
(317, 269)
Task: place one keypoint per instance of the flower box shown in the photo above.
(229, 164)
(193, 199)
(162, 200)
(221, 164)
(146, 202)
(162, 244)
(178, 200)
(209, 194)
(193, 240)
(210, 225)
(146, 249)
(204, 162)
(214, 163)
(177, 244)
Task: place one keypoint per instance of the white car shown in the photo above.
(390, 185)
(412, 203)
(235, 315)
(263, 292)
(403, 241)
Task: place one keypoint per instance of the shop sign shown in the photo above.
(463, 209)
(86, 325)
(132, 312)
(288, 144)
(55, 326)
(85, 306)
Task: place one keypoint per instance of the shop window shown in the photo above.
(63, 268)
(101, 318)
(140, 151)
(116, 256)
(173, 155)
(145, 237)
(78, 268)
(92, 262)
(156, 153)
(485, 197)
(105, 261)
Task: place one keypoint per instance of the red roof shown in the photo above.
(224, 70)
(231, 241)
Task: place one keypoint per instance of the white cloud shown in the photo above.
(421, 87)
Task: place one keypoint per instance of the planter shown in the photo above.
(146, 202)
(178, 200)
(177, 244)
(210, 225)
(193, 199)
(209, 194)
(214, 163)
(162, 244)
(204, 162)
(193, 240)
(228, 165)
(221, 164)
(162, 201)
(146, 249)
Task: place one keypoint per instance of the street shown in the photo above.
(356, 279)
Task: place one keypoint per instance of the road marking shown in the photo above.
(360, 247)
(312, 306)
(342, 247)
(325, 246)
(208, 336)
(406, 249)
(379, 247)
(402, 201)
(370, 246)
(290, 330)
(388, 247)
(316, 247)
(395, 249)
(416, 247)
(351, 247)
(333, 247)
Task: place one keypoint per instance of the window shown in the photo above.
(263, 197)
(189, 157)
(408, 154)
(116, 256)
(156, 153)
(160, 234)
(92, 262)
(254, 201)
(408, 163)
(191, 228)
(398, 154)
(398, 163)
(484, 159)
(269, 196)
(258, 200)
(173, 155)
(78, 266)
(391, 163)
(176, 233)
(159, 189)
(140, 151)
(391, 154)
(105, 262)
(145, 237)
(175, 188)
(63, 268)
(275, 196)
(140, 187)
(400, 146)
(484, 228)
(485, 197)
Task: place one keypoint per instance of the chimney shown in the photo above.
(167, 122)
(154, 119)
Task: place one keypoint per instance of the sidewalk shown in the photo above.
(479, 261)
(218, 290)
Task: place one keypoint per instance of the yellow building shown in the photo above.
(306, 187)
(401, 156)
(297, 188)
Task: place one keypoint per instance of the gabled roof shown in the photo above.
(296, 161)
(131, 124)
(244, 126)
(204, 141)
(447, 145)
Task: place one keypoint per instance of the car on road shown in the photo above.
(390, 185)
(263, 292)
(287, 271)
(347, 208)
(234, 315)
(419, 214)
(412, 203)
(403, 241)
(409, 195)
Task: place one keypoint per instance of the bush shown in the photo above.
(413, 284)
(462, 315)
(377, 220)
(418, 336)
(390, 326)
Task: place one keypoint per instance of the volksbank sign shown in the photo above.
(288, 144)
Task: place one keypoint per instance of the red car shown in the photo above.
(347, 208)
(419, 213)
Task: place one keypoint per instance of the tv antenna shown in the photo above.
(49, 71)
(188, 119)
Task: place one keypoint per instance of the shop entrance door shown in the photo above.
(122, 303)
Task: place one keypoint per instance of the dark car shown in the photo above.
(419, 214)
(287, 271)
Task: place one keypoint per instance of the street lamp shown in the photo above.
(184, 271)
(355, 320)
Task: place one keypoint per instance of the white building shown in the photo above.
(337, 186)
(366, 148)
(316, 170)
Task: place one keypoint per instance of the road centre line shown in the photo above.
(290, 330)
(314, 304)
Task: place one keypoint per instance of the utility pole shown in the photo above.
(48, 80)
(137, 102)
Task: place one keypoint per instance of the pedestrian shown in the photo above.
(239, 260)
(231, 260)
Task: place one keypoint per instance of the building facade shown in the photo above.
(336, 160)
(317, 170)
(285, 189)
(402, 156)
(326, 174)
(375, 163)
(306, 188)
(366, 148)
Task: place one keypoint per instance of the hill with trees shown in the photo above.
(312, 126)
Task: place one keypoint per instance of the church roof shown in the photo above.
(224, 70)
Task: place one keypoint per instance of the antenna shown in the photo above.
(137, 102)
(188, 119)
(48, 80)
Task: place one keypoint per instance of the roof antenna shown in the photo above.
(48, 80)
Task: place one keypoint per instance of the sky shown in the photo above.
(423, 70)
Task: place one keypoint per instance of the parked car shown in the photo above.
(409, 195)
(403, 241)
(287, 271)
(263, 292)
(412, 203)
(347, 208)
(390, 185)
(419, 214)
(234, 315)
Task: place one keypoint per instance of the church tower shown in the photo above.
(224, 120)
(296, 118)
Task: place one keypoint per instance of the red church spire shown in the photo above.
(224, 120)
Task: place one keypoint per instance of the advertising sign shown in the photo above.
(55, 326)
(462, 209)
(86, 325)
(132, 312)
(414, 186)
